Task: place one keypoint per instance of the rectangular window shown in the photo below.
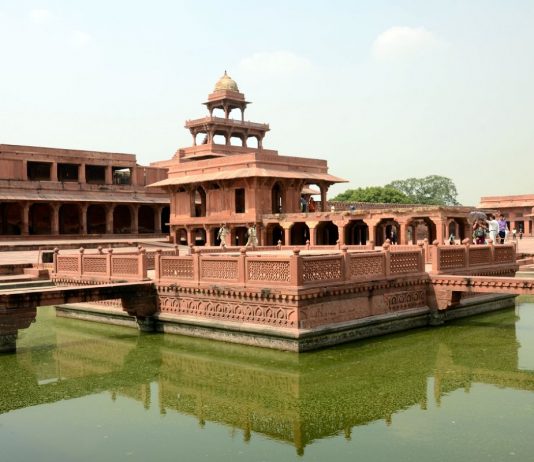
(122, 175)
(240, 200)
(67, 172)
(95, 174)
(39, 171)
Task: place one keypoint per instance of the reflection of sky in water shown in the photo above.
(525, 335)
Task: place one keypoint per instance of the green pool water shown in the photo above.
(78, 391)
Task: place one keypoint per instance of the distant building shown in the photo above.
(518, 210)
(64, 192)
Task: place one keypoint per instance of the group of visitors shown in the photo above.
(490, 228)
(307, 205)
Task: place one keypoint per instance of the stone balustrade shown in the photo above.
(290, 271)
(105, 267)
(458, 259)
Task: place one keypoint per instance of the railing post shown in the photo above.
(109, 265)
(436, 257)
(196, 265)
(427, 251)
(241, 266)
(157, 263)
(467, 252)
(295, 269)
(421, 260)
(56, 255)
(346, 263)
(80, 262)
(387, 257)
(142, 263)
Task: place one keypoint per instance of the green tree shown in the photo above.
(381, 194)
(431, 190)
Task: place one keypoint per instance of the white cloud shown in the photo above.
(275, 62)
(404, 42)
(81, 38)
(41, 16)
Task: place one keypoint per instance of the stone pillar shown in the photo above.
(439, 231)
(263, 236)
(209, 236)
(133, 176)
(341, 228)
(55, 219)
(83, 211)
(324, 190)
(25, 230)
(190, 236)
(109, 219)
(109, 175)
(371, 225)
(25, 170)
(81, 174)
(53, 172)
(403, 238)
(312, 225)
(287, 233)
(134, 211)
(157, 219)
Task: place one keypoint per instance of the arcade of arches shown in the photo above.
(40, 218)
(329, 228)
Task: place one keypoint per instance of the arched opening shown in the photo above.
(252, 142)
(300, 233)
(10, 218)
(201, 138)
(219, 138)
(239, 236)
(40, 219)
(199, 235)
(356, 233)
(165, 218)
(387, 228)
(421, 228)
(274, 234)
(277, 198)
(69, 219)
(181, 236)
(236, 140)
(198, 208)
(327, 233)
(457, 227)
(122, 220)
(96, 219)
(145, 219)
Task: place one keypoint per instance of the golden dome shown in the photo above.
(226, 83)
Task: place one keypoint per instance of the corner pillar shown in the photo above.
(109, 219)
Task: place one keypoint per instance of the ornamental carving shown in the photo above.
(334, 311)
(452, 258)
(479, 256)
(321, 270)
(218, 269)
(404, 262)
(367, 266)
(94, 264)
(405, 300)
(230, 310)
(67, 264)
(178, 268)
(124, 265)
(276, 271)
(504, 254)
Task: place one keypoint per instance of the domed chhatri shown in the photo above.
(226, 83)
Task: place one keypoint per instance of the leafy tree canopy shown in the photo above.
(384, 194)
(431, 190)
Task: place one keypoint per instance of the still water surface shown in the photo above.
(79, 391)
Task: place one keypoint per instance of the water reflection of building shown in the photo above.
(291, 398)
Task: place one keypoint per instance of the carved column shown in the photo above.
(134, 211)
(403, 238)
(312, 225)
(53, 171)
(83, 211)
(81, 174)
(157, 218)
(190, 236)
(341, 228)
(287, 233)
(324, 190)
(55, 219)
(371, 224)
(109, 219)
(209, 235)
(25, 219)
(109, 175)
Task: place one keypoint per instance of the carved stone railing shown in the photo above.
(459, 259)
(99, 267)
(262, 248)
(291, 271)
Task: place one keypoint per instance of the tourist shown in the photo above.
(303, 204)
(520, 233)
(514, 233)
(493, 228)
(221, 235)
(503, 228)
(393, 237)
(451, 239)
(311, 205)
(252, 237)
(479, 232)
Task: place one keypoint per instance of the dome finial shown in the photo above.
(226, 83)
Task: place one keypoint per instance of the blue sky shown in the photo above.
(383, 90)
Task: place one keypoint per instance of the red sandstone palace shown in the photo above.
(228, 176)
(61, 192)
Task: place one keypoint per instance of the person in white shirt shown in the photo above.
(493, 228)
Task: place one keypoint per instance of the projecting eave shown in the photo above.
(248, 173)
